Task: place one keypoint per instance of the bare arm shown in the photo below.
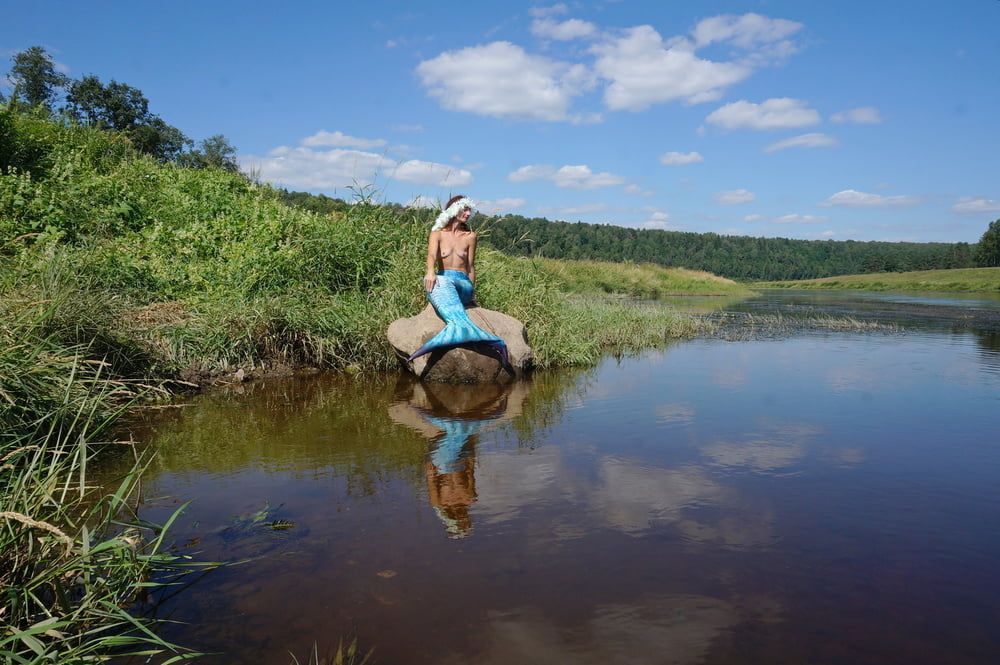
(472, 258)
(430, 277)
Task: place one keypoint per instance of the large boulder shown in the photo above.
(473, 363)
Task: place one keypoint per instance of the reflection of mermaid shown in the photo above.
(453, 246)
(451, 416)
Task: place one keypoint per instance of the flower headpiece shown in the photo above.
(452, 210)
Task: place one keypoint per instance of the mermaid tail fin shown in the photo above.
(458, 333)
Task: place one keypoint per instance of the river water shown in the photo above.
(808, 497)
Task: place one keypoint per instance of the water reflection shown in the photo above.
(451, 417)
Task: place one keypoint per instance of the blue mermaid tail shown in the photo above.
(452, 293)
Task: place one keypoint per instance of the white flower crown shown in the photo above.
(458, 206)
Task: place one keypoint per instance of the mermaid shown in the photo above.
(452, 245)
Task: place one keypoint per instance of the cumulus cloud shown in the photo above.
(572, 176)
(637, 190)
(492, 207)
(680, 158)
(854, 199)
(866, 115)
(340, 140)
(552, 10)
(735, 197)
(573, 28)
(747, 31)
(431, 173)
(502, 80)
(657, 220)
(974, 206)
(584, 209)
(796, 218)
(778, 113)
(813, 140)
(643, 70)
(316, 169)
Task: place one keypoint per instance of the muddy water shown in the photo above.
(820, 498)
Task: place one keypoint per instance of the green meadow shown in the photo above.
(957, 279)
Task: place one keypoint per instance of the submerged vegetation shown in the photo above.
(959, 279)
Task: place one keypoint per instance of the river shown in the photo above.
(804, 497)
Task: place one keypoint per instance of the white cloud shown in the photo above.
(796, 218)
(584, 209)
(407, 128)
(643, 70)
(572, 176)
(855, 199)
(492, 207)
(340, 140)
(657, 220)
(974, 206)
(735, 197)
(637, 190)
(501, 80)
(679, 158)
(391, 43)
(813, 140)
(421, 201)
(747, 31)
(431, 173)
(866, 115)
(573, 28)
(778, 113)
(828, 234)
(753, 218)
(317, 169)
(552, 10)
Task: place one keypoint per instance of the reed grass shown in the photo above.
(75, 559)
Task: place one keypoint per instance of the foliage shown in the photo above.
(35, 78)
(988, 251)
(643, 280)
(121, 107)
(736, 257)
(215, 152)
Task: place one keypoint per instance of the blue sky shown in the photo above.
(863, 120)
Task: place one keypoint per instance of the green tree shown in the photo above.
(988, 251)
(35, 78)
(113, 106)
(123, 108)
(215, 152)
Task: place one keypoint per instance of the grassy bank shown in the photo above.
(74, 560)
(637, 280)
(180, 273)
(958, 279)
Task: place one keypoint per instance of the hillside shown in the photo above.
(961, 279)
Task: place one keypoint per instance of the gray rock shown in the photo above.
(462, 364)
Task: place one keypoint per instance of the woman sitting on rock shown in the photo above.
(451, 271)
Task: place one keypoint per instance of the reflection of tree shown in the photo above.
(989, 348)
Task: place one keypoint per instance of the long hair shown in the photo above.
(464, 225)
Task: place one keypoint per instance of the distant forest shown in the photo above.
(737, 257)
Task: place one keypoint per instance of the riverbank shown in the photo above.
(954, 280)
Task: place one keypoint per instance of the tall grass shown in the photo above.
(73, 558)
(181, 273)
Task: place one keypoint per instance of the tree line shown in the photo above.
(37, 85)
